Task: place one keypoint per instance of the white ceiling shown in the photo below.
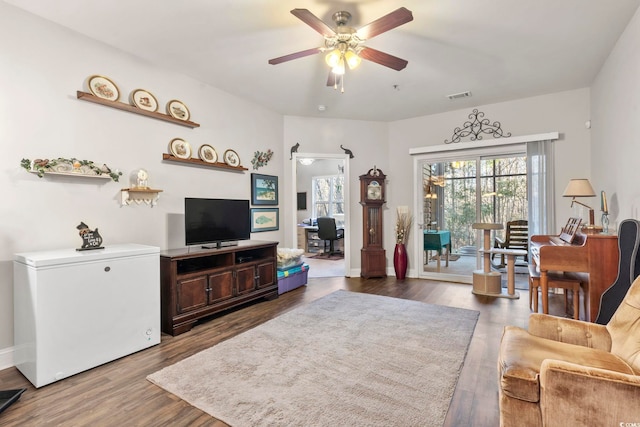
(497, 49)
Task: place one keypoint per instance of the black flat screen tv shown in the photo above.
(212, 222)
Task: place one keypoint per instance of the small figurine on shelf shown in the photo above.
(605, 212)
(91, 239)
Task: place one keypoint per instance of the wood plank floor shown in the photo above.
(118, 394)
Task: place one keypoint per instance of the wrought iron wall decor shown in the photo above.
(476, 127)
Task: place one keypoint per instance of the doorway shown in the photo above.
(321, 190)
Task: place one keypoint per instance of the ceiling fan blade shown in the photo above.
(313, 21)
(295, 55)
(382, 58)
(388, 22)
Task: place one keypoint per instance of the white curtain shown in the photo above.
(540, 191)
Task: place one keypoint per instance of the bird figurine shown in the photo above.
(347, 151)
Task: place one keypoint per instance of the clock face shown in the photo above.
(142, 175)
(374, 191)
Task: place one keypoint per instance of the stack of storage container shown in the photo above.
(292, 271)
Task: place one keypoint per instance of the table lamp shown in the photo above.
(582, 188)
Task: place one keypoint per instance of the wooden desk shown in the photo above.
(436, 241)
(309, 241)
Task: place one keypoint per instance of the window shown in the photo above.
(328, 196)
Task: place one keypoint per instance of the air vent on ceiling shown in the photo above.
(459, 95)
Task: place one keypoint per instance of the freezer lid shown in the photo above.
(71, 256)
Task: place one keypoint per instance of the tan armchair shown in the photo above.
(564, 372)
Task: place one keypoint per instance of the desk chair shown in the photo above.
(327, 231)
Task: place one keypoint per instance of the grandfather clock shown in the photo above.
(372, 197)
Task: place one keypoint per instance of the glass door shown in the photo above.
(458, 192)
(449, 188)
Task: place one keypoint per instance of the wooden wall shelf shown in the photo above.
(198, 162)
(84, 96)
(148, 196)
(75, 175)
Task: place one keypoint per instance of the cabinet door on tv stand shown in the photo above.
(220, 286)
(246, 279)
(191, 294)
(266, 274)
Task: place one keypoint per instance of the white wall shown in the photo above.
(564, 112)
(41, 67)
(615, 118)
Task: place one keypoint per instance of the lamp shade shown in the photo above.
(579, 188)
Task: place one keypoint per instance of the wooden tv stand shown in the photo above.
(196, 282)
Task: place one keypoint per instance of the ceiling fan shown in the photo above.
(345, 43)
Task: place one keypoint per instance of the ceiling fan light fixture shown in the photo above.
(333, 58)
(306, 161)
(339, 68)
(353, 60)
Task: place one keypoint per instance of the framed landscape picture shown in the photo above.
(264, 219)
(264, 189)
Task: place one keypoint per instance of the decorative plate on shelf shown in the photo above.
(178, 110)
(104, 88)
(180, 148)
(231, 158)
(144, 100)
(208, 154)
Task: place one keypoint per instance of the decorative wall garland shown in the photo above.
(261, 158)
(476, 127)
(73, 165)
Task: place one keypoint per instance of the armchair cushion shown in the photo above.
(597, 397)
(570, 331)
(522, 354)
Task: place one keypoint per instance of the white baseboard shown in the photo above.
(6, 358)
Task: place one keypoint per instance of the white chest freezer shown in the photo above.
(74, 310)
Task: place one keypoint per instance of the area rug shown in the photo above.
(347, 359)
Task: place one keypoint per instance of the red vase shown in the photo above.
(400, 261)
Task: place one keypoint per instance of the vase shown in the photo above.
(400, 261)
